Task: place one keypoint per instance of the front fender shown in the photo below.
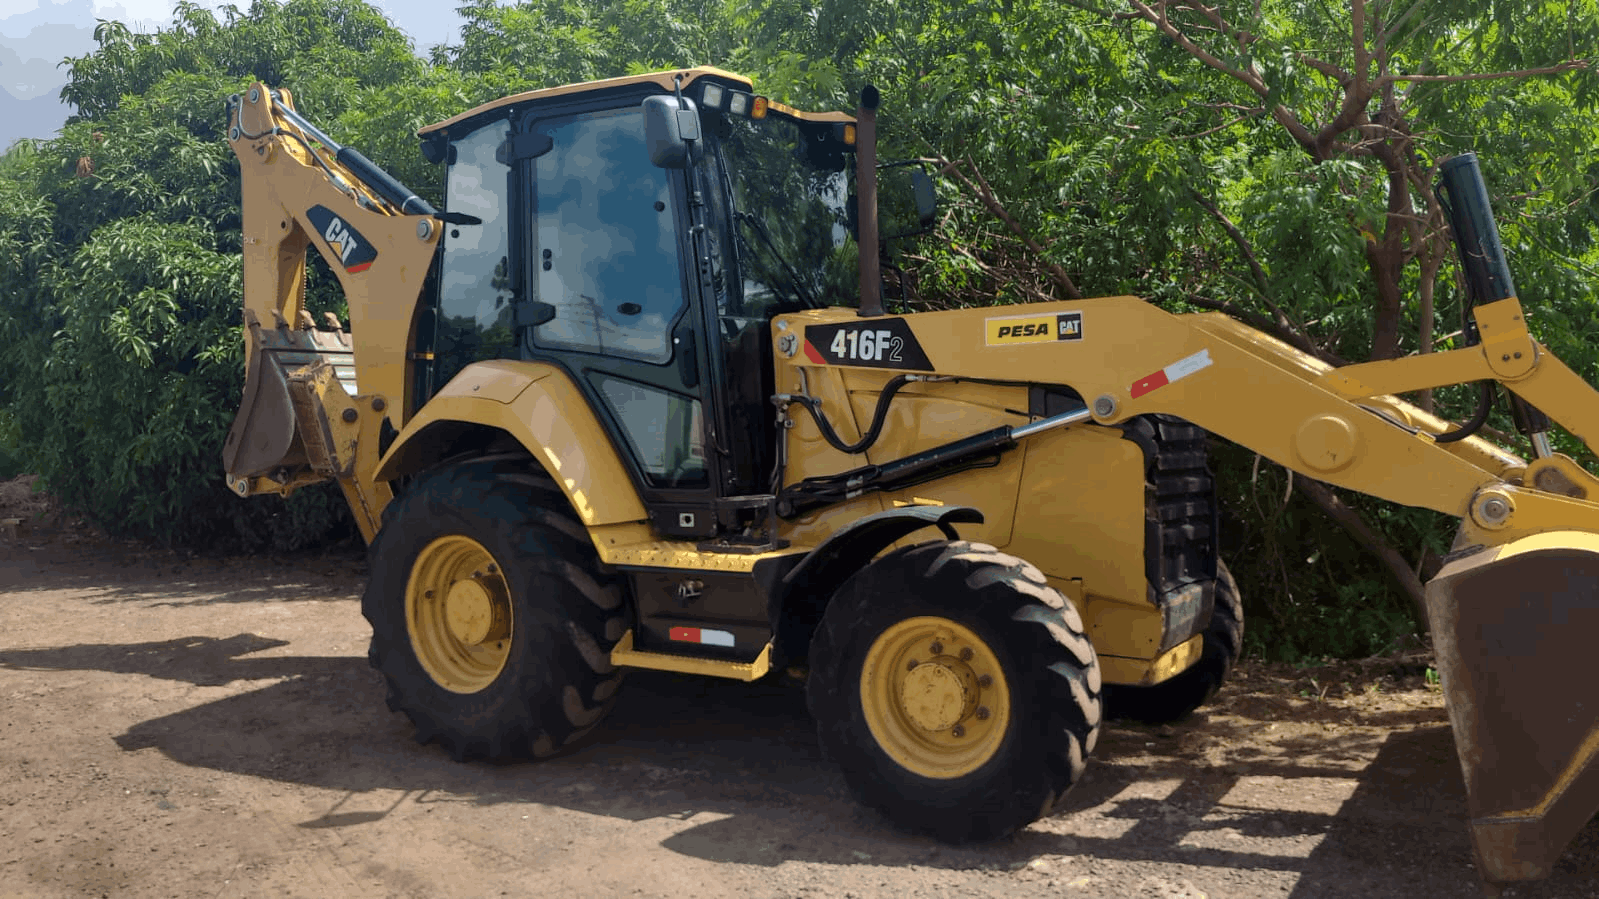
(538, 405)
(797, 601)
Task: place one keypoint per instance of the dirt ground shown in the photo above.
(181, 726)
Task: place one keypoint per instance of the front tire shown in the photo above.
(956, 689)
(492, 622)
(1177, 698)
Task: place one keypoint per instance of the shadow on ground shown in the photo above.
(118, 573)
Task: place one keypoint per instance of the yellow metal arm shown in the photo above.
(293, 429)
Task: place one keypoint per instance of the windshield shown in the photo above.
(788, 213)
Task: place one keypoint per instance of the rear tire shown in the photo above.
(956, 689)
(491, 620)
(1177, 698)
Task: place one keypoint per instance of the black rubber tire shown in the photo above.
(1049, 665)
(1179, 697)
(557, 681)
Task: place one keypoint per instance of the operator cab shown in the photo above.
(649, 271)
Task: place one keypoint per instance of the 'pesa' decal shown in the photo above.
(875, 343)
(1037, 328)
(354, 251)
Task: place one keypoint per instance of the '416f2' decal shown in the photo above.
(875, 343)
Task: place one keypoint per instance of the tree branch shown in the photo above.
(1248, 77)
(985, 193)
(1246, 249)
(1222, 127)
(1338, 75)
(1357, 37)
(1350, 520)
(1568, 66)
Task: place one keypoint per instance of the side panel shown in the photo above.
(538, 405)
(1080, 514)
(920, 417)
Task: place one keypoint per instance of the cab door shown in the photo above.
(606, 277)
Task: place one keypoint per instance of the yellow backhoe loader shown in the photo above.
(632, 400)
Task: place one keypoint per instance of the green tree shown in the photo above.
(121, 242)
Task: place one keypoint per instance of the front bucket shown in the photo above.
(1515, 628)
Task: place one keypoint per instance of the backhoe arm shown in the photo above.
(315, 400)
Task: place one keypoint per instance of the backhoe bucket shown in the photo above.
(262, 440)
(1512, 626)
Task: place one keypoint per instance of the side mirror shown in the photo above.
(926, 198)
(669, 128)
(907, 204)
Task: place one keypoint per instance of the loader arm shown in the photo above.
(316, 400)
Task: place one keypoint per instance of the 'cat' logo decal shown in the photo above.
(353, 251)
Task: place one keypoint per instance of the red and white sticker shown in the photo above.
(1176, 371)
(706, 635)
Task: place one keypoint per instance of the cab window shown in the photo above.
(605, 247)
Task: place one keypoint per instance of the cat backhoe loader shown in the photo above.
(632, 400)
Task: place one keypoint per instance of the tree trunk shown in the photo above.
(1385, 272)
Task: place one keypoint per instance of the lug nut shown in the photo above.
(985, 681)
(966, 654)
(911, 665)
(936, 649)
(982, 713)
(957, 731)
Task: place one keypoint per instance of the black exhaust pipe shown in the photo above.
(866, 197)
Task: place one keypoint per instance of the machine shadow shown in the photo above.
(134, 573)
(677, 746)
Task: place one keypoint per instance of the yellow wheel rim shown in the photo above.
(935, 697)
(458, 614)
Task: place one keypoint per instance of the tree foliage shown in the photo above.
(1273, 160)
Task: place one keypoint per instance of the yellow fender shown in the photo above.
(538, 405)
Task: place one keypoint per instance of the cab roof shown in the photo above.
(666, 81)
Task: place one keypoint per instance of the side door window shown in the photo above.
(607, 250)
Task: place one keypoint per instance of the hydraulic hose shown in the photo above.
(879, 415)
(1485, 404)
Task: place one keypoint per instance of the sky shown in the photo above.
(35, 35)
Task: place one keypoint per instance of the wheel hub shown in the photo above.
(458, 614)
(935, 696)
(473, 613)
(938, 695)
